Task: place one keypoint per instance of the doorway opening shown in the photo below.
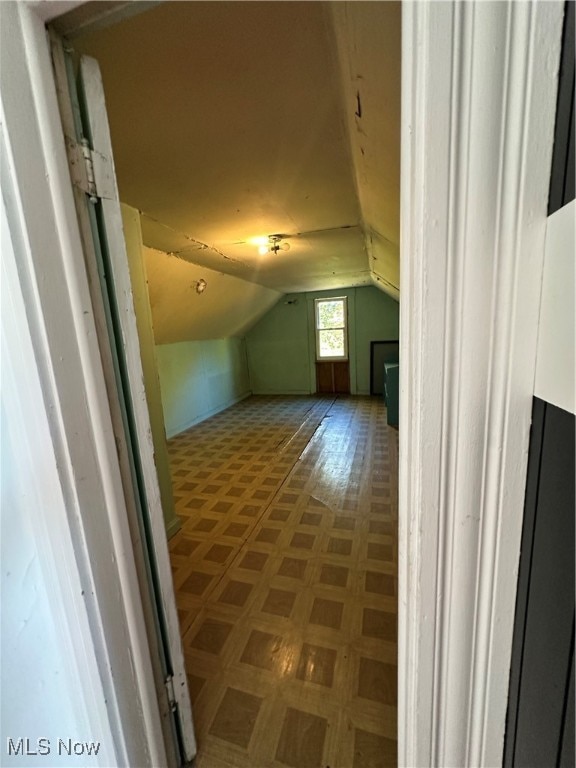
(349, 496)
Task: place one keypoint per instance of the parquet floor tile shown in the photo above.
(285, 573)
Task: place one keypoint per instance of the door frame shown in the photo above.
(479, 87)
(462, 467)
(107, 618)
(119, 346)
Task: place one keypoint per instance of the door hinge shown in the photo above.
(169, 683)
(90, 170)
(89, 165)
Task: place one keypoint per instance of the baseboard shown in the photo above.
(207, 415)
(282, 392)
(173, 527)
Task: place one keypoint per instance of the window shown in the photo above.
(331, 335)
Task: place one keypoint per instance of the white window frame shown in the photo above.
(334, 358)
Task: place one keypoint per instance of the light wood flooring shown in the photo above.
(285, 572)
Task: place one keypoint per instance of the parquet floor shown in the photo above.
(285, 572)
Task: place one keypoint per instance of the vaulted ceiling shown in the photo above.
(232, 121)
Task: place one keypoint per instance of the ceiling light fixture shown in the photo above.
(275, 244)
(200, 286)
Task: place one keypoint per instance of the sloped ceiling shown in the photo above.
(369, 48)
(227, 307)
(237, 120)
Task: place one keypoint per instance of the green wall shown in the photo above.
(200, 378)
(281, 346)
(377, 319)
(278, 349)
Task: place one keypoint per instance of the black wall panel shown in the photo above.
(538, 732)
(563, 169)
(566, 756)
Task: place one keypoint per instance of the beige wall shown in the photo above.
(228, 306)
(134, 247)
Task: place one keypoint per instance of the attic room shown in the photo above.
(256, 149)
(290, 144)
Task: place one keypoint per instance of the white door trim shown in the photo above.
(54, 285)
(478, 103)
(102, 143)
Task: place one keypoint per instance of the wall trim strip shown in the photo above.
(479, 87)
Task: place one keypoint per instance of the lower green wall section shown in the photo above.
(281, 346)
(200, 378)
(278, 349)
(377, 319)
